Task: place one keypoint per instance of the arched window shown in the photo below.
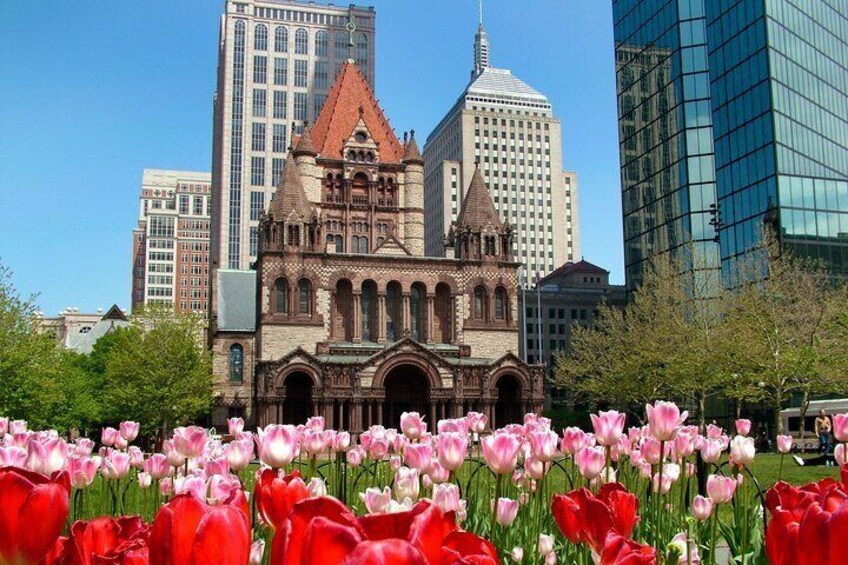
(490, 245)
(304, 292)
(281, 296)
(393, 311)
(281, 39)
(416, 312)
(339, 244)
(293, 236)
(343, 315)
(369, 293)
(322, 42)
(361, 45)
(236, 363)
(480, 298)
(363, 244)
(500, 303)
(442, 314)
(301, 42)
(260, 38)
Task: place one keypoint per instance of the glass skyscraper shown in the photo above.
(753, 117)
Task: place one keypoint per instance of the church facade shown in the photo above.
(344, 316)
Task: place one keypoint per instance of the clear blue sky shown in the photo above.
(94, 91)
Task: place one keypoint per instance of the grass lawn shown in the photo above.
(766, 467)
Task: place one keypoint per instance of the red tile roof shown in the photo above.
(349, 99)
(579, 267)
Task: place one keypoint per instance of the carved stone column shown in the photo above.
(333, 315)
(329, 414)
(404, 316)
(357, 317)
(430, 317)
(381, 318)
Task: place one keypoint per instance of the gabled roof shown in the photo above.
(114, 313)
(570, 268)
(349, 99)
(290, 195)
(477, 208)
(391, 246)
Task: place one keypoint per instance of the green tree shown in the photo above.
(157, 371)
(30, 361)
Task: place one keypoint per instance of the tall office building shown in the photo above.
(733, 115)
(171, 241)
(508, 129)
(276, 62)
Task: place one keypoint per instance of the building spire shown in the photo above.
(481, 45)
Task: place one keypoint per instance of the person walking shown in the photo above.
(823, 429)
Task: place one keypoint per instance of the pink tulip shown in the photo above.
(543, 444)
(36, 460)
(743, 427)
(341, 441)
(446, 497)
(129, 430)
(436, 473)
(650, 450)
(742, 451)
(713, 431)
(534, 468)
(477, 422)
(166, 486)
(277, 445)
(501, 452)
(144, 480)
(13, 456)
(174, 457)
(590, 461)
(664, 418)
(721, 489)
(157, 466)
(315, 423)
(194, 485)
(108, 436)
(235, 426)
(412, 425)
(457, 425)
(684, 444)
(83, 446)
(418, 456)
(839, 454)
(376, 500)
(218, 466)
(784, 443)
(506, 511)
(222, 487)
(840, 427)
(379, 448)
(115, 465)
(17, 427)
(452, 447)
(136, 457)
(711, 450)
(315, 442)
(190, 441)
(239, 453)
(120, 443)
(257, 552)
(56, 451)
(573, 440)
(355, 456)
(406, 483)
(608, 426)
(702, 508)
(4, 426)
(81, 470)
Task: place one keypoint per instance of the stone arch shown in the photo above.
(299, 400)
(406, 388)
(449, 281)
(411, 359)
(298, 367)
(510, 395)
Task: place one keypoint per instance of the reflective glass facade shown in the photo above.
(665, 135)
(779, 77)
(743, 101)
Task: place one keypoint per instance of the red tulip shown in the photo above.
(618, 550)
(33, 510)
(105, 540)
(782, 539)
(277, 495)
(467, 548)
(187, 531)
(584, 517)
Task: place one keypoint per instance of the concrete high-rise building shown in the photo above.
(171, 241)
(508, 130)
(733, 116)
(276, 62)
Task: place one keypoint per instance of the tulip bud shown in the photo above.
(702, 508)
(144, 480)
(784, 443)
(257, 551)
(546, 544)
(506, 511)
(517, 554)
(406, 483)
(743, 427)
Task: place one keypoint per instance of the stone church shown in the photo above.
(343, 316)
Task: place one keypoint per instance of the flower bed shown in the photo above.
(459, 493)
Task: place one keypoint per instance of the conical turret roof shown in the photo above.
(478, 210)
(290, 195)
(304, 145)
(411, 154)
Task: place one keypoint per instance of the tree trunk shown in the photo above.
(702, 412)
(802, 413)
(778, 405)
